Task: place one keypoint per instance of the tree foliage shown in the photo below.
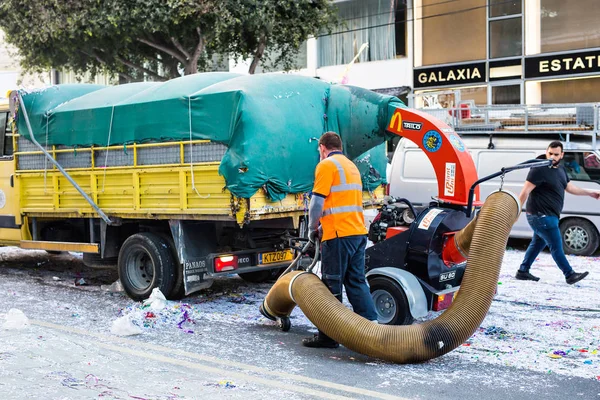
(274, 29)
(158, 39)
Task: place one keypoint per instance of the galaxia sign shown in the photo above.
(450, 75)
(562, 64)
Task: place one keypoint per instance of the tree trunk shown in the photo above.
(260, 51)
(192, 65)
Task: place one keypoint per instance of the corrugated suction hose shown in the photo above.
(484, 240)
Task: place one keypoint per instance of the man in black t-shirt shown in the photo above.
(545, 188)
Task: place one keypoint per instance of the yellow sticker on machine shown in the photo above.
(275, 257)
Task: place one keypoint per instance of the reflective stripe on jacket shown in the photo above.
(338, 180)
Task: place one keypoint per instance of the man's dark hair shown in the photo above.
(556, 144)
(331, 141)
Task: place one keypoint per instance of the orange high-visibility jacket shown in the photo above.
(338, 180)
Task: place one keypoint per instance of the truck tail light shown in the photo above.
(226, 263)
(443, 301)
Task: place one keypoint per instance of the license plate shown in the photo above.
(275, 257)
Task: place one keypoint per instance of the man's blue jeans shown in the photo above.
(545, 232)
(343, 263)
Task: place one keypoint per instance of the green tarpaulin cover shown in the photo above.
(269, 123)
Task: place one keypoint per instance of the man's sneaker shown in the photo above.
(576, 277)
(526, 276)
(319, 342)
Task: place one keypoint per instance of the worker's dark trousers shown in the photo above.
(343, 263)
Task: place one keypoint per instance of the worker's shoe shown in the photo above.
(526, 276)
(320, 341)
(576, 277)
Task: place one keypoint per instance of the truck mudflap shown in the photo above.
(201, 261)
(196, 275)
(194, 242)
(199, 273)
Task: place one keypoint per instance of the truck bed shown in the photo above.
(144, 181)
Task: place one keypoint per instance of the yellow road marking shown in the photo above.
(214, 360)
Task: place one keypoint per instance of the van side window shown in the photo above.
(6, 137)
(580, 168)
(591, 164)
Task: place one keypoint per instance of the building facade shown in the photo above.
(475, 51)
(11, 75)
(372, 49)
(507, 52)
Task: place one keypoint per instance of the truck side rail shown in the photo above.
(177, 179)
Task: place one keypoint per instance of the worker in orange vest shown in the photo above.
(337, 204)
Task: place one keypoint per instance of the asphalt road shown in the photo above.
(68, 352)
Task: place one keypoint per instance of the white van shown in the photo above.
(413, 177)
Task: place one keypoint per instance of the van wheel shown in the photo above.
(390, 301)
(146, 262)
(579, 237)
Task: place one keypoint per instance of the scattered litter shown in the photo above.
(115, 287)
(496, 332)
(55, 278)
(80, 282)
(223, 384)
(124, 327)
(15, 319)
(157, 301)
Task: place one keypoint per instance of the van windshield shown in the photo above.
(582, 166)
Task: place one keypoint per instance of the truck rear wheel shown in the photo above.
(178, 291)
(146, 262)
(390, 301)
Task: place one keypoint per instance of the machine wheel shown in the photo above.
(390, 301)
(256, 276)
(579, 237)
(146, 262)
(284, 324)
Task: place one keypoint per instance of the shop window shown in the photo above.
(569, 25)
(453, 31)
(477, 95)
(571, 91)
(381, 24)
(506, 37)
(506, 94)
(502, 8)
(400, 29)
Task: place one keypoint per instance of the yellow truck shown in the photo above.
(164, 211)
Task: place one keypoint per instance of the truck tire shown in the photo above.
(579, 237)
(145, 263)
(92, 260)
(390, 301)
(178, 291)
